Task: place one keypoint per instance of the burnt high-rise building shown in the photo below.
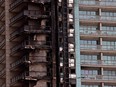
(57, 43)
(36, 43)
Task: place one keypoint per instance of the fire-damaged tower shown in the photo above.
(37, 43)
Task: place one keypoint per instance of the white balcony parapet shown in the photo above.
(98, 3)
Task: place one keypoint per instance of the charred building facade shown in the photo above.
(37, 44)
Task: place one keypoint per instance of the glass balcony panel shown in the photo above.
(96, 18)
(98, 3)
(98, 77)
(99, 62)
(97, 32)
(97, 47)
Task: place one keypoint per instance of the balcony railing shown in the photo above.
(1, 2)
(18, 62)
(2, 43)
(2, 14)
(98, 77)
(2, 72)
(98, 62)
(17, 17)
(36, 44)
(16, 48)
(2, 29)
(18, 2)
(97, 47)
(97, 18)
(97, 3)
(3, 85)
(30, 29)
(25, 59)
(39, 59)
(98, 32)
(32, 45)
(2, 58)
(30, 75)
(33, 14)
(37, 29)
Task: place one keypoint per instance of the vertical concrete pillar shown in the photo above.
(7, 36)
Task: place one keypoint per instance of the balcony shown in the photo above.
(98, 33)
(3, 85)
(98, 47)
(19, 62)
(37, 29)
(15, 48)
(94, 18)
(28, 60)
(99, 63)
(31, 45)
(2, 72)
(32, 14)
(37, 44)
(2, 44)
(2, 58)
(2, 29)
(39, 59)
(99, 78)
(2, 2)
(30, 75)
(16, 3)
(2, 14)
(97, 3)
(30, 29)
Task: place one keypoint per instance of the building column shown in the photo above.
(7, 36)
(77, 44)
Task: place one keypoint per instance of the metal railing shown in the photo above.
(15, 48)
(2, 14)
(97, 18)
(28, 44)
(36, 44)
(17, 2)
(3, 85)
(38, 59)
(18, 16)
(37, 29)
(2, 42)
(2, 29)
(97, 47)
(16, 32)
(1, 2)
(2, 57)
(98, 77)
(98, 62)
(98, 3)
(31, 29)
(18, 62)
(34, 14)
(2, 71)
(29, 75)
(25, 59)
(98, 32)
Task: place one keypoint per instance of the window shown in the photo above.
(87, 13)
(90, 86)
(88, 57)
(89, 72)
(88, 42)
(109, 73)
